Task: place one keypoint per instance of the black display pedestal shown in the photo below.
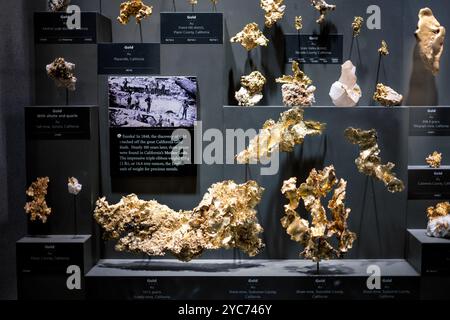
(252, 280)
(53, 267)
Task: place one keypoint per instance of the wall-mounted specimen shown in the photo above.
(58, 5)
(225, 218)
(251, 91)
(384, 49)
(369, 160)
(298, 24)
(290, 130)
(297, 89)
(37, 208)
(315, 236)
(274, 11)
(357, 25)
(73, 186)
(62, 72)
(323, 7)
(134, 8)
(439, 220)
(346, 92)
(434, 160)
(430, 36)
(386, 96)
(250, 37)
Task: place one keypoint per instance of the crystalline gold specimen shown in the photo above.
(251, 91)
(387, 96)
(439, 220)
(357, 25)
(369, 160)
(290, 130)
(134, 8)
(62, 72)
(323, 8)
(430, 36)
(58, 5)
(297, 89)
(298, 23)
(225, 218)
(383, 50)
(37, 208)
(434, 160)
(346, 92)
(250, 37)
(274, 11)
(315, 236)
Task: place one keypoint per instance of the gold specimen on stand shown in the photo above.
(439, 220)
(251, 91)
(62, 73)
(274, 11)
(442, 209)
(369, 160)
(298, 23)
(430, 36)
(134, 8)
(323, 7)
(290, 130)
(434, 160)
(384, 49)
(37, 208)
(297, 89)
(225, 218)
(387, 96)
(357, 25)
(250, 37)
(315, 236)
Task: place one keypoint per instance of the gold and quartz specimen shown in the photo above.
(62, 73)
(134, 8)
(250, 37)
(323, 7)
(434, 160)
(316, 236)
(274, 11)
(357, 25)
(369, 160)
(297, 90)
(37, 208)
(225, 218)
(290, 130)
(298, 24)
(251, 91)
(386, 96)
(439, 220)
(430, 36)
(58, 5)
(383, 50)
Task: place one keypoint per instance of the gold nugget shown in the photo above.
(434, 160)
(134, 8)
(250, 37)
(37, 208)
(274, 11)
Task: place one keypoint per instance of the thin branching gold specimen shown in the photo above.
(251, 91)
(357, 25)
(62, 73)
(315, 236)
(434, 160)
(274, 11)
(225, 218)
(250, 37)
(37, 208)
(298, 24)
(439, 220)
(386, 96)
(369, 160)
(323, 7)
(290, 130)
(297, 89)
(134, 8)
(383, 50)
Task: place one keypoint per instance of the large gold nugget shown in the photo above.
(274, 11)
(430, 36)
(134, 8)
(250, 37)
(315, 236)
(369, 160)
(225, 218)
(37, 208)
(297, 90)
(290, 130)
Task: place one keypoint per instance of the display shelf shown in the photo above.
(250, 279)
(53, 267)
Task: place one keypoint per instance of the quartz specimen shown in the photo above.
(383, 50)
(357, 25)
(274, 11)
(387, 96)
(434, 160)
(225, 218)
(134, 8)
(62, 72)
(323, 7)
(369, 160)
(439, 220)
(298, 23)
(430, 36)
(58, 5)
(250, 37)
(297, 89)
(316, 236)
(37, 208)
(290, 130)
(73, 186)
(251, 91)
(346, 92)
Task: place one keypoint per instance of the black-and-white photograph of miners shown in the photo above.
(165, 102)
